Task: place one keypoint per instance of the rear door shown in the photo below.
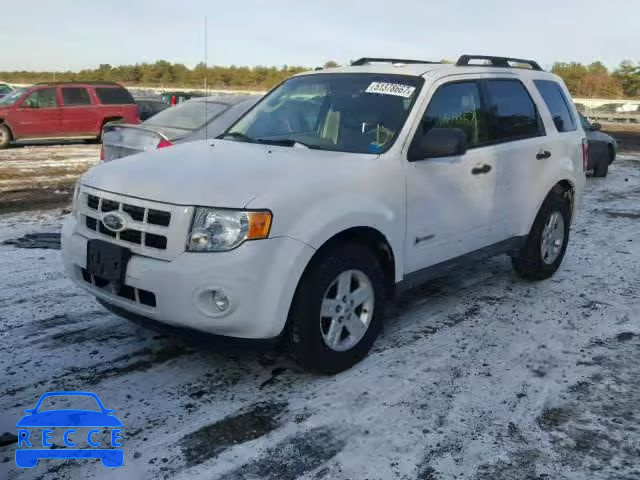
(521, 151)
(78, 114)
(449, 200)
(37, 115)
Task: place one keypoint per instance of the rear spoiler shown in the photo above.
(112, 127)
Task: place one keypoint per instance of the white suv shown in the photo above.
(338, 188)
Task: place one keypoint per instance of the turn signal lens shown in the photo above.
(259, 225)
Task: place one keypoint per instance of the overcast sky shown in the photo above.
(73, 34)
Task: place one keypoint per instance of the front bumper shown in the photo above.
(259, 278)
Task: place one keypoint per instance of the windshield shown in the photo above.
(12, 97)
(5, 88)
(359, 113)
(188, 115)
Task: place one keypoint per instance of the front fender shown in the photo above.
(323, 220)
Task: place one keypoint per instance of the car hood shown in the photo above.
(69, 418)
(221, 173)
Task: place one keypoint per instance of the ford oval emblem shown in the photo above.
(114, 221)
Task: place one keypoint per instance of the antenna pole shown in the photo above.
(206, 68)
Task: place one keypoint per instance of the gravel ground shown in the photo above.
(478, 375)
(42, 175)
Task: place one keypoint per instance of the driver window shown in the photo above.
(44, 98)
(457, 105)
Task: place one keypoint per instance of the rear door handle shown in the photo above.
(543, 155)
(480, 169)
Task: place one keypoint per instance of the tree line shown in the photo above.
(594, 80)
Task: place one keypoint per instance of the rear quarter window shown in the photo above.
(513, 114)
(114, 96)
(557, 104)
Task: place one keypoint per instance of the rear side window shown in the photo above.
(557, 104)
(113, 96)
(513, 113)
(75, 96)
(458, 105)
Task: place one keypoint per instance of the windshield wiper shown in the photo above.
(238, 136)
(285, 142)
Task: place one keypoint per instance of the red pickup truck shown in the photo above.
(64, 110)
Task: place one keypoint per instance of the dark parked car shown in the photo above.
(174, 98)
(194, 119)
(148, 107)
(602, 148)
(63, 110)
(5, 89)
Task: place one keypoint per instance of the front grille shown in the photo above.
(157, 217)
(136, 236)
(137, 295)
(132, 236)
(137, 213)
(155, 241)
(154, 217)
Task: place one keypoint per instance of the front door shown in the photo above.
(38, 115)
(450, 200)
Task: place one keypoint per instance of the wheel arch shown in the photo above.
(368, 237)
(113, 118)
(566, 188)
(6, 124)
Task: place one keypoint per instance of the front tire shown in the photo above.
(5, 136)
(547, 241)
(336, 313)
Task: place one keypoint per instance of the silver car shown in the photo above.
(196, 119)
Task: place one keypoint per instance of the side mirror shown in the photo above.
(596, 126)
(438, 142)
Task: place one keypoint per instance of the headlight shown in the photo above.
(217, 230)
(74, 200)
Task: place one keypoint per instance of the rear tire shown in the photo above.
(327, 331)
(602, 168)
(547, 241)
(612, 154)
(5, 136)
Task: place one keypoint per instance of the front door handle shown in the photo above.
(480, 169)
(543, 155)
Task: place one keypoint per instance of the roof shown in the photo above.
(105, 83)
(465, 65)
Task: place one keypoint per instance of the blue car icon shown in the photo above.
(67, 419)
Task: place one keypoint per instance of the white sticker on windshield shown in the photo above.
(391, 89)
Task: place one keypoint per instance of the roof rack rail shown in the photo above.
(503, 62)
(90, 82)
(365, 60)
